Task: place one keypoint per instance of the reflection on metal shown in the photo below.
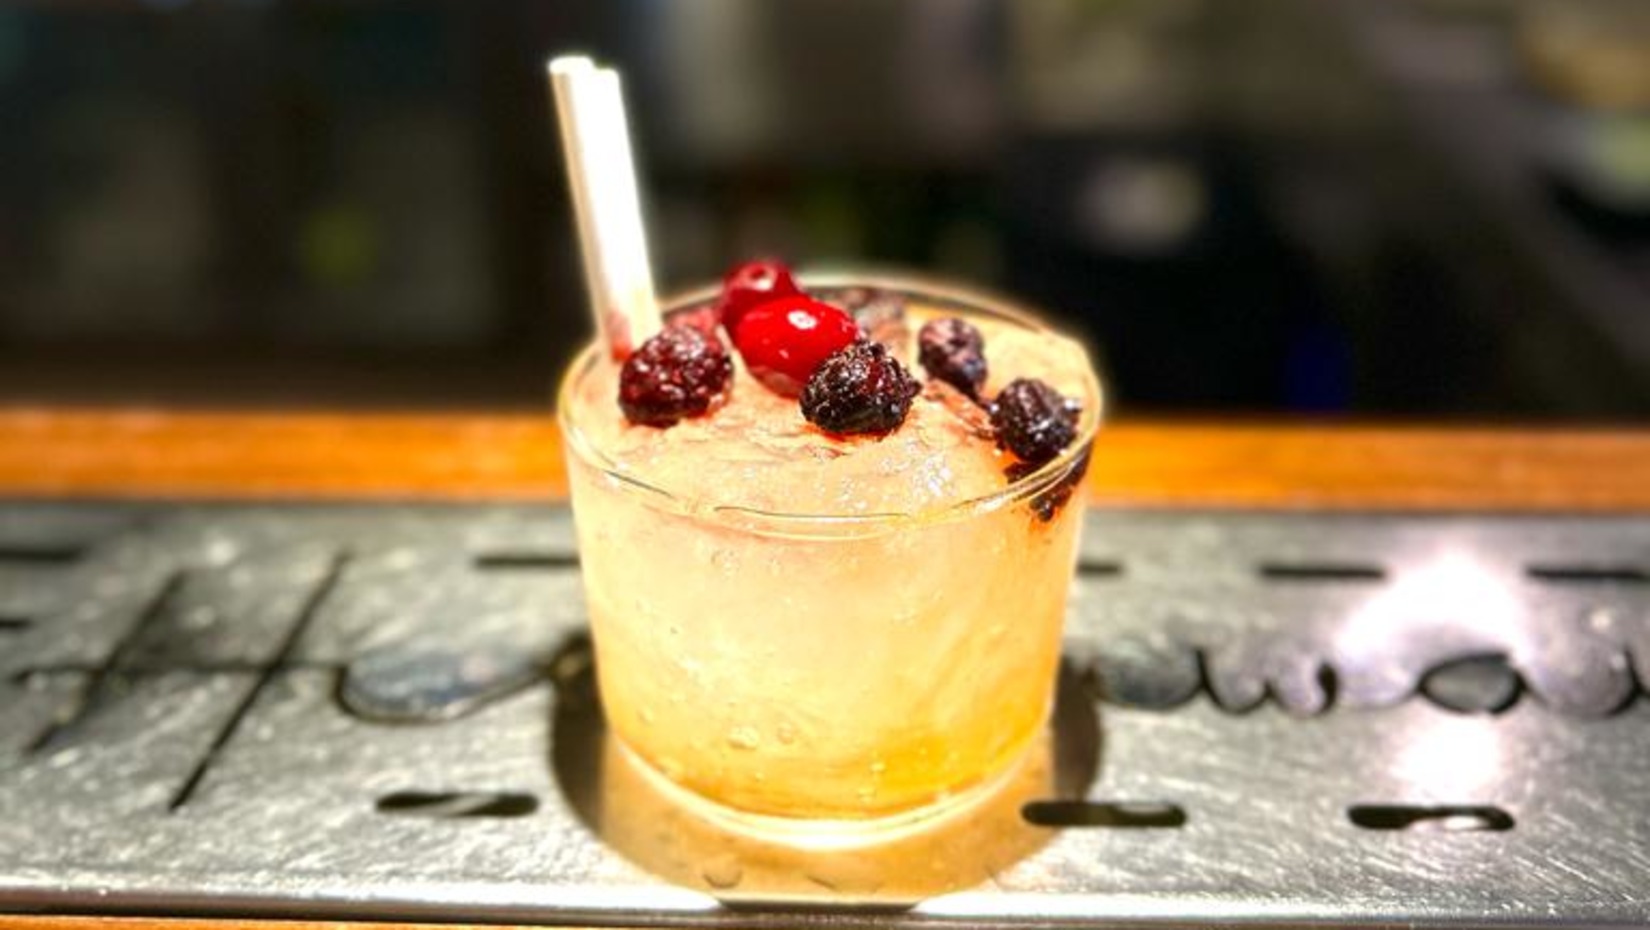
(412, 684)
(1450, 758)
(633, 814)
(1283, 719)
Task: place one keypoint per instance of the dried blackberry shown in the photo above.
(953, 351)
(860, 389)
(1048, 502)
(680, 372)
(1033, 420)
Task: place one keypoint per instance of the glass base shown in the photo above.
(827, 834)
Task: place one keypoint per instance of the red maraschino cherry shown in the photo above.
(750, 285)
(785, 339)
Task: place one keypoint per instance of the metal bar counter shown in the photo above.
(1315, 674)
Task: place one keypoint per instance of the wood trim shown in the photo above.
(129, 453)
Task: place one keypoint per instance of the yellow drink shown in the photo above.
(820, 635)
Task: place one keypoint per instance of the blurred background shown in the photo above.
(1427, 209)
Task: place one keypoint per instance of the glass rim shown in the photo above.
(922, 288)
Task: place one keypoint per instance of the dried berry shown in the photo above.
(860, 389)
(953, 351)
(750, 285)
(1032, 420)
(785, 339)
(680, 372)
(1048, 503)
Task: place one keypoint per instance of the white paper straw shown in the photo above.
(601, 174)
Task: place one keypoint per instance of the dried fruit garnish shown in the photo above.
(859, 390)
(1033, 420)
(953, 351)
(1048, 503)
(680, 372)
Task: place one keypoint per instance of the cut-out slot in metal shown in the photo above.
(40, 555)
(14, 624)
(1588, 574)
(1127, 815)
(1485, 683)
(1101, 569)
(1444, 818)
(458, 805)
(1322, 572)
(523, 561)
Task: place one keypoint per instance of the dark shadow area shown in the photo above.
(1281, 206)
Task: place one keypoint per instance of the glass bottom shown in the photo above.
(829, 834)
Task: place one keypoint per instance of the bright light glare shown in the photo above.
(1451, 598)
(1451, 759)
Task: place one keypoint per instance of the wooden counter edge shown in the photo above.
(132, 453)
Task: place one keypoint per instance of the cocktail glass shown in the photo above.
(825, 677)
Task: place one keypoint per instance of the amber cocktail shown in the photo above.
(831, 635)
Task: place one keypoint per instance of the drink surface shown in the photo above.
(807, 671)
(758, 452)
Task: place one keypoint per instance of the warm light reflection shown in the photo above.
(642, 817)
(1449, 600)
(655, 830)
(1447, 605)
(1449, 759)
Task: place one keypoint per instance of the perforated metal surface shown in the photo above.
(374, 711)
